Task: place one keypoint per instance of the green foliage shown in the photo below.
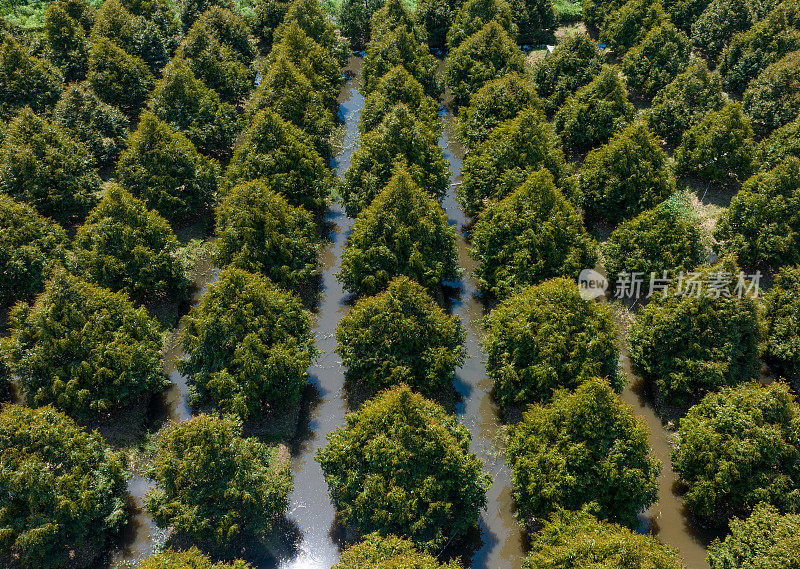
(595, 111)
(474, 14)
(212, 484)
(767, 41)
(689, 342)
(572, 64)
(190, 559)
(511, 152)
(781, 143)
(497, 101)
(119, 79)
(654, 62)
(25, 80)
(30, 247)
(683, 13)
(123, 246)
(718, 23)
(629, 25)
(547, 337)
(162, 168)
(64, 493)
(585, 448)
(434, 18)
(580, 540)
(762, 224)
(665, 238)
(773, 98)
(683, 103)
(248, 344)
(399, 47)
(354, 20)
(765, 540)
(402, 466)
(100, 127)
(66, 41)
(739, 447)
(398, 141)
(480, 58)
(782, 321)
(280, 151)
(40, 164)
(402, 232)
(399, 86)
(376, 552)
(393, 16)
(267, 16)
(258, 231)
(626, 176)
(311, 18)
(530, 236)
(400, 336)
(595, 12)
(534, 18)
(191, 10)
(718, 148)
(83, 349)
(189, 106)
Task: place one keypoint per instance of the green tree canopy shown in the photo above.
(402, 466)
(376, 552)
(25, 80)
(400, 336)
(480, 58)
(718, 23)
(547, 337)
(188, 105)
(683, 103)
(583, 448)
(392, 16)
(30, 247)
(190, 559)
(762, 223)
(400, 140)
(399, 47)
(267, 16)
(354, 20)
(683, 13)
(474, 14)
(190, 10)
(654, 62)
(212, 484)
(718, 148)
(45, 167)
(83, 349)
(738, 447)
(573, 63)
(258, 231)
(64, 492)
(282, 152)
(434, 19)
(119, 78)
(595, 111)
(626, 176)
(630, 24)
(689, 341)
(162, 168)
(399, 86)
(511, 152)
(782, 321)
(67, 45)
(781, 143)
(530, 236)
(773, 98)
(248, 344)
(124, 246)
(403, 231)
(312, 19)
(496, 102)
(579, 539)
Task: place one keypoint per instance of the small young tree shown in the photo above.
(31, 246)
(67, 45)
(64, 492)
(190, 559)
(399, 86)
(494, 103)
(530, 236)
(580, 539)
(547, 337)
(626, 176)
(119, 79)
(683, 103)
(782, 143)
(399, 47)
(773, 98)
(689, 341)
(628, 26)
(248, 346)
(124, 246)
(283, 153)
(585, 448)
(512, 151)
(403, 231)
(781, 318)
(354, 20)
(258, 231)
(398, 141)
(739, 447)
(46, 168)
(595, 112)
(718, 23)
(83, 349)
(762, 223)
(162, 168)
(25, 80)
(401, 466)
(655, 61)
(718, 148)
(400, 336)
(376, 552)
(214, 485)
(474, 14)
(483, 56)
